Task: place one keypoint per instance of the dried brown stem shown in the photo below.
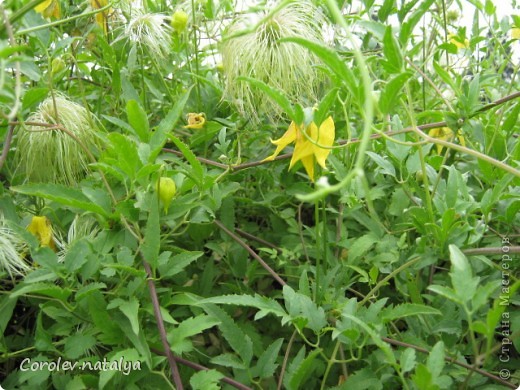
(160, 325)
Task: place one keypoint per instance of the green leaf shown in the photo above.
(234, 335)
(66, 196)
(387, 168)
(407, 310)
(206, 380)
(228, 360)
(78, 344)
(446, 292)
(393, 57)
(138, 120)
(435, 362)
(167, 125)
(407, 360)
(490, 8)
(385, 10)
(300, 306)
(266, 365)
(464, 284)
(130, 309)
(152, 235)
(197, 172)
(300, 369)
(76, 255)
(7, 305)
(361, 245)
(46, 289)
(277, 95)
(264, 304)
(179, 337)
(178, 263)
(331, 58)
(444, 75)
(389, 96)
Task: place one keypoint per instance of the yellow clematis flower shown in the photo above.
(195, 121)
(446, 134)
(309, 152)
(41, 228)
(515, 33)
(101, 17)
(49, 8)
(452, 38)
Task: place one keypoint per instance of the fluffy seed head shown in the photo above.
(46, 154)
(11, 249)
(150, 31)
(282, 65)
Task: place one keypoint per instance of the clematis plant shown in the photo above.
(311, 144)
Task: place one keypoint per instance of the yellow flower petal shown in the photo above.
(308, 163)
(303, 148)
(452, 38)
(195, 121)
(288, 137)
(101, 17)
(324, 137)
(49, 8)
(442, 133)
(41, 228)
(515, 33)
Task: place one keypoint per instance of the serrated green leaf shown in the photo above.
(266, 365)
(300, 306)
(300, 371)
(360, 246)
(386, 166)
(78, 344)
(264, 304)
(229, 360)
(435, 362)
(66, 196)
(178, 263)
(234, 335)
(130, 309)
(407, 360)
(407, 310)
(206, 380)
(179, 336)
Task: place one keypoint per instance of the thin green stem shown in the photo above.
(63, 21)
(383, 281)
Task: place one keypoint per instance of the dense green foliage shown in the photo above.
(395, 267)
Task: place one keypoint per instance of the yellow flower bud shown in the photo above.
(166, 189)
(179, 21)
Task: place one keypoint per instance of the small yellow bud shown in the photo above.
(179, 21)
(166, 189)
